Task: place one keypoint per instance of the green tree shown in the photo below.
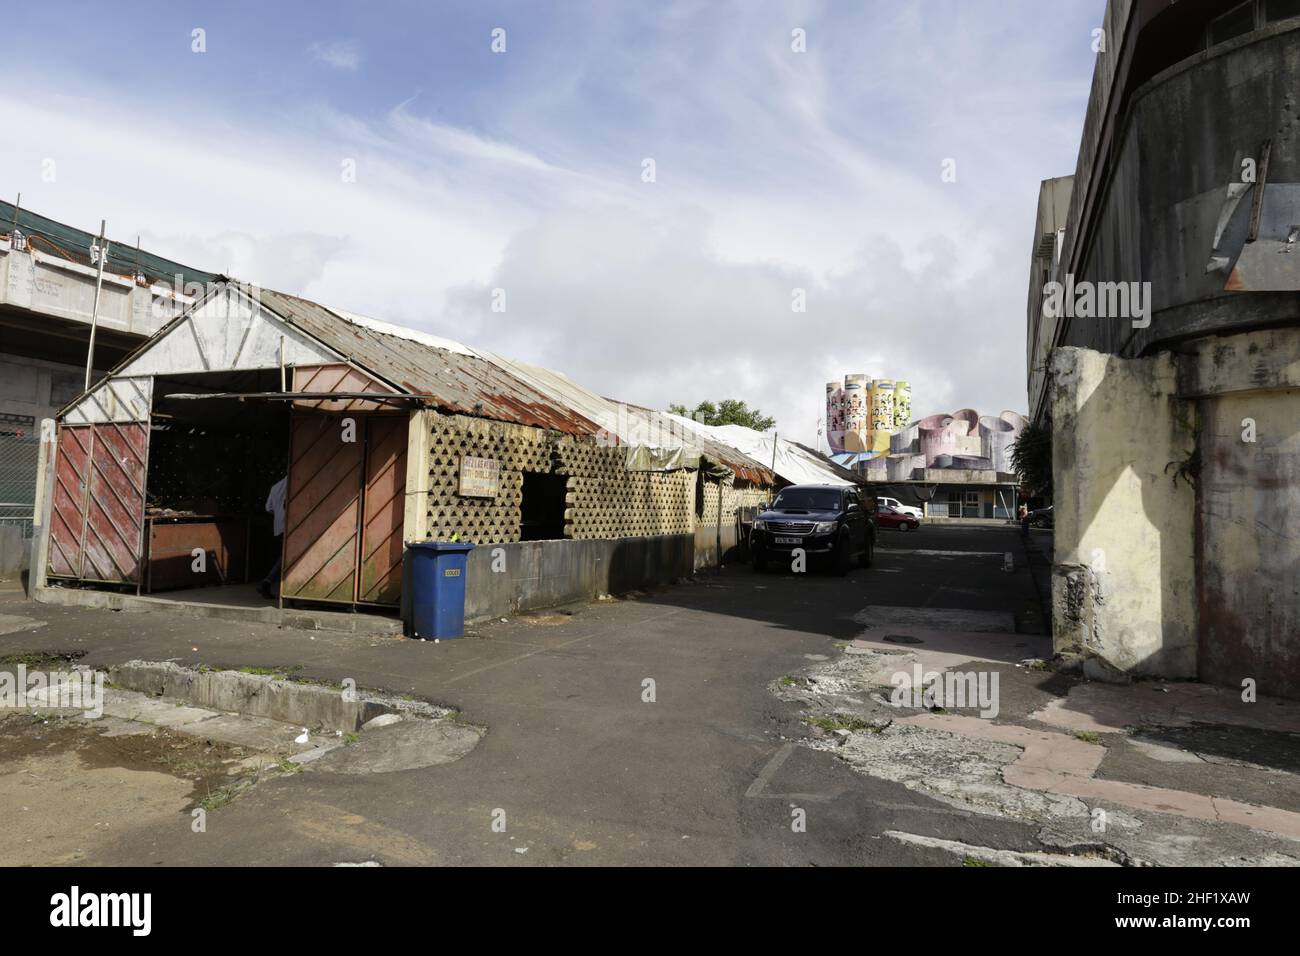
(729, 411)
(1031, 457)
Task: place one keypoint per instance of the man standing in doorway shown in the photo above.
(270, 586)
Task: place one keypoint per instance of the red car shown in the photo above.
(887, 517)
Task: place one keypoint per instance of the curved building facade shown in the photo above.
(1182, 218)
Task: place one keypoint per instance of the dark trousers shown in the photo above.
(272, 578)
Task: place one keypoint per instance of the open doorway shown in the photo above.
(212, 462)
(542, 508)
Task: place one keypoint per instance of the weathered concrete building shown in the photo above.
(156, 476)
(1164, 348)
(950, 466)
(47, 294)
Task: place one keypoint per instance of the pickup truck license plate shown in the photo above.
(789, 540)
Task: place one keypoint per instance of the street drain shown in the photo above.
(903, 639)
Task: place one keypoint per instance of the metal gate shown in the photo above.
(345, 508)
(384, 508)
(68, 502)
(97, 512)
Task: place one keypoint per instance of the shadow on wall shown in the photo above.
(1177, 547)
(504, 579)
(1123, 585)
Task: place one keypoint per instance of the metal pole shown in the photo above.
(94, 312)
(719, 540)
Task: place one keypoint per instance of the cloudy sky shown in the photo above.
(382, 157)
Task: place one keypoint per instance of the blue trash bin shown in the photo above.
(437, 587)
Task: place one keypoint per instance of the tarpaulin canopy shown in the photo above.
(790, 460)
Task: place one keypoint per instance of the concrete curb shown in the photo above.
(288, 617)
(258, 695)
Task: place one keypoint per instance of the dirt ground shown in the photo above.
(56, 770)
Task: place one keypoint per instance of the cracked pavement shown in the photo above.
(771, 707)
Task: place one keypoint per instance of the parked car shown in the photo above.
(893, 518)
(899, 506)
(828, 521)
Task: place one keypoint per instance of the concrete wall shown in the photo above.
(540, 574)
(15, 550)
(1124, 582)
(35, 388)
(49, 285)
(1248, 508)
(1153, 213)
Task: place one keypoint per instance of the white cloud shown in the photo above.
(338, 54)
(776, 170)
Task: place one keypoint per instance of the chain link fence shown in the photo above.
(18, 454)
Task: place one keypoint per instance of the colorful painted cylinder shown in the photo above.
(902, 405)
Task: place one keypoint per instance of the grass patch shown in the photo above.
(42, 660)
(263, 672)
(788, 681)
(216, 799)
(1087, 736)
(349, 739)
(975, 861)
(838, 722)
(317, 682)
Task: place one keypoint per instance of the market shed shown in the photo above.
(385, 436)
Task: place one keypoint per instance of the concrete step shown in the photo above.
(296, 618)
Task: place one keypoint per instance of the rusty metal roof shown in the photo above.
(633, 425)
(460, 380)
(464, 384)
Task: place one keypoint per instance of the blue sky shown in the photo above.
(522, 171)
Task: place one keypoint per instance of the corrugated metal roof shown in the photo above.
(464, 384)
(486, 385)
(632, 425)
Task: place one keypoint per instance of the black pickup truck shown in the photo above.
(828, 521)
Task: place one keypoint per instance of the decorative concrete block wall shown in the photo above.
(603, 499)
(735, 495)
(483, 521)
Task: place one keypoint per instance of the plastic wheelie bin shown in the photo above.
(436, 577)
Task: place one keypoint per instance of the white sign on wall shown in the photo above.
(479, 477)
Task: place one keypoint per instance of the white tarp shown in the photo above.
(791, 462)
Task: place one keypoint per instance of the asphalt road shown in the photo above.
(581, 767)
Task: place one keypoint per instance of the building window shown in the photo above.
(1275, 10)
(1235, 23)
(541, 512)
(65, 386)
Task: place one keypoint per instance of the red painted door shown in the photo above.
(323, 508)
